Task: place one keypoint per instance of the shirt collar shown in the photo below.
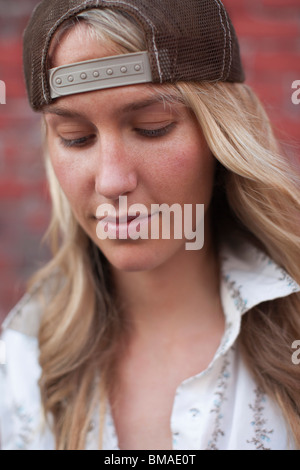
(248, 278)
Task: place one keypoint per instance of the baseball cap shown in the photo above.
(187, 40)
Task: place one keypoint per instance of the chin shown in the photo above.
(137, 256)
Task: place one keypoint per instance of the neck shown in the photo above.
(180, 295)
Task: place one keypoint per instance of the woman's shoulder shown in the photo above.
(22, 422)
(26, 316)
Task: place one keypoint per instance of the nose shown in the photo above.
(116, 173)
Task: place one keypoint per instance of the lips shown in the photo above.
(123, 219)
(125, 227)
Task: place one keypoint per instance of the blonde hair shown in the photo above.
(256, 191)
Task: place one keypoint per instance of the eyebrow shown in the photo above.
(135, 106)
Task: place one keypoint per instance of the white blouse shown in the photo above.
(220, 408)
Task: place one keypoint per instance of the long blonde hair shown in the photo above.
(256, 191)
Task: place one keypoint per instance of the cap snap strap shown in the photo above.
(97, 74)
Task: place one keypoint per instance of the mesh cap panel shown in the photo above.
(187, 40)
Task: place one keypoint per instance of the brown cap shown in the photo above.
(187, 40)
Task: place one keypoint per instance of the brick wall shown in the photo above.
(24, 208)
(269, 32)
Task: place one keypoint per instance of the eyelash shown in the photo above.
(147, 133)
(82, 142)
(155, 133)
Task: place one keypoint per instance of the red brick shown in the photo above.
(289, 129)
(11, 53)
(21, 118)
(284, 4)
(275, 62)
(266, 28)
(235, 6)
(38, 221)
(16, 189)
(270, 93)
(15, 88)
(12, 189)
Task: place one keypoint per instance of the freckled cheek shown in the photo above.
(171, 163)
(71, 178)
(188, 171)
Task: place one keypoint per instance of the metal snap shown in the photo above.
(109, 71)
(83, 76)
(71, 78)
(58, 81)
(96, 74)
(137, 67)
(123, 69)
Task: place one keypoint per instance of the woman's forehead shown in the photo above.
(117, 101)
(79, 44)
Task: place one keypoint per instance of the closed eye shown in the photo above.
(79, 143)
(85, 141)
(154, 133)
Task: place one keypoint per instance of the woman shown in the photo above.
(141, 343)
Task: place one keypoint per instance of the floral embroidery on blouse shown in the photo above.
(283, 275)
(240, 302)
(286, 278)
(226, 340)
(220, 398)
(26, 427)
(261, 435)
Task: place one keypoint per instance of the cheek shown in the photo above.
(185, 172)
(69, 173)
(198, 164)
